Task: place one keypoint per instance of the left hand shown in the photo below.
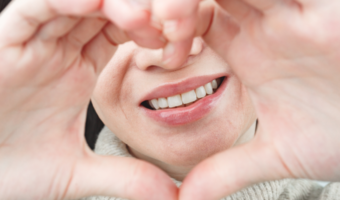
(51, 54)
(287, 54)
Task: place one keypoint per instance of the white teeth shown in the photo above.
(189, 97)
(214, 84)
(185, 98)
(162, 102)
(154, 104)
(200, 92)
(208, 88)
(175, 101)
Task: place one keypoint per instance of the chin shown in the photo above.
(190, 144)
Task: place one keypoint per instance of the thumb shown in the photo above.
(120, 177)
(232, 170)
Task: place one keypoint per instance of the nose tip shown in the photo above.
(179, 54)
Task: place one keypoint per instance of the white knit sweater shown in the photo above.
(287, 189)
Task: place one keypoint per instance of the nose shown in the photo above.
(145, 58)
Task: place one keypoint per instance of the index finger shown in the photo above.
(21, 20)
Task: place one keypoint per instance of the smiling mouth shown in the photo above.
(184, 99)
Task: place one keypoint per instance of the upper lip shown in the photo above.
(171, 89)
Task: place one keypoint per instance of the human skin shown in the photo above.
(287, 55)
(174, 148)
(51, 54)
(34, 166)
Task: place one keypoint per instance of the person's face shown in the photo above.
(180, 136)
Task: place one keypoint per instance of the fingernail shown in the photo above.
(144, 4)
(170, 26)
(168, 52)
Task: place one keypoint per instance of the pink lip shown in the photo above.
(185, 115)
(172, 89)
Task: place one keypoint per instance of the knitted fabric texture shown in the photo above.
(287, 189)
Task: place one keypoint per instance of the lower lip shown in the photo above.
(189, 114)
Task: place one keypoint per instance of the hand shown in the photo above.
(287, 53)
(51, 53)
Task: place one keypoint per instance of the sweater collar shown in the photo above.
(109, 144)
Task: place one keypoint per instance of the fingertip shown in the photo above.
(176, 53)
(180, 30)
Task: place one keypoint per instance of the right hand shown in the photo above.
(51, 53)
(286, 53)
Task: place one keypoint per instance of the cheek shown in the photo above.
(113, 101)
(186, 145)
(125, 99)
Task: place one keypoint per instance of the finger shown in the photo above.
(120, 177)
(148, 37)
(126, 15)
(205, 17)
(261, 5)
(152, 43)
(57, 28)
(84, 31)
(58, 55)
(78, 37)
(75, 7)
(181, 29)
(238, 9)
(101, 49)
(146, 32)
(175, 9)
(222, 31)
(231, 171)
(18, 24)
(114, 34)
(216, 27)
(22, 19)
(175, 54)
